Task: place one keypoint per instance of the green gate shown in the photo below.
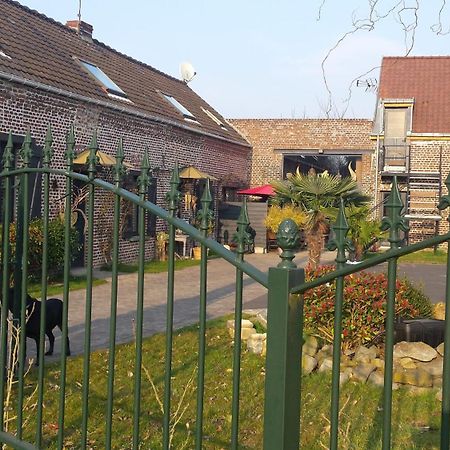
(285, 284)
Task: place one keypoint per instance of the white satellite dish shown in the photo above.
(187, 71)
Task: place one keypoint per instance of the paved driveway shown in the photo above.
(221, 289)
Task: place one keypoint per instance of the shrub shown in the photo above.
(364, 306)
(277, 214)
(55, 246)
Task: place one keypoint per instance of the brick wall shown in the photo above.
(24, 108)
(272, 137)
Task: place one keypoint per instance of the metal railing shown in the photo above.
(285, 283)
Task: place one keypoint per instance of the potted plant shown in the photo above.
(196, 251)
(276, 215)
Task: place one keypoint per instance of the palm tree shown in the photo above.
(319, 196)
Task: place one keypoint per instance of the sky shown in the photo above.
(260, 58)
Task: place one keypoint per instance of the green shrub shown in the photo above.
(364, 306)
(55, 247)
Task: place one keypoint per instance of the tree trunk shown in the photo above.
(314, 240)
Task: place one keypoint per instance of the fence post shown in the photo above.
(284, 347)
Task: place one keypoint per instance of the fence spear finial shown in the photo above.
(48, 151)
(340, 242)
(444, 202)
(394, 221)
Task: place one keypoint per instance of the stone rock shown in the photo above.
(246, 329)
(364, 354)
(440, 349)
(362, 371)
(415, 350)
(255, 343)
(310, 346)
(326, 365)
(439, 395)
(376, 378)
(343, 377)
(437, 382)
(378, 363)
(244, 323)
(325, 352)
(308, 364)
(262, 318)
(434, 367)
(414, 377)
(407, 363)
(417, 389)
(439, 311)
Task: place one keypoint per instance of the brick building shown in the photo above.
(281, 146)
(59, 75)
(412, 135)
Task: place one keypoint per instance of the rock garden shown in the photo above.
(417, 365)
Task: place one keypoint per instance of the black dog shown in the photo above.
(53, 318)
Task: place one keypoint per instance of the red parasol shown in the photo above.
(265, 190)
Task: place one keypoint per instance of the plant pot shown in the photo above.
(197, 253)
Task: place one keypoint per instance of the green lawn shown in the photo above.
(415, 416)
(426, 257)
(422, 257)
(155, 266)
(56, 287)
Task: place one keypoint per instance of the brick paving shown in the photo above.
(221, 290)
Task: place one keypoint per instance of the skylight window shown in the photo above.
(4, 55)
(186, 113)
(214, 118)
(106, 82)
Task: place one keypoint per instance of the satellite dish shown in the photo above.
(187, 71)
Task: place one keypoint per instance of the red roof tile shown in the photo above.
(45, 51)
(426, 79)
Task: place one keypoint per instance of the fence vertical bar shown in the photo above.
(445, 414)
(394, 222)
(143, 182)
(47, 156)
(24, 185)
(284, 347)
(69, 156)
(6, 251)
(92, 163)
(173, 197)
(119, 171)
(205, 216)
(339, 243)
(243, 239)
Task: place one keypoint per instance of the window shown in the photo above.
(34, 183)
(130, 211)
(186, 113)
(4, 55)
(105, 81)
(214, 118)
(396, 126)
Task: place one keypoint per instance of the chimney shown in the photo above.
(82, 28)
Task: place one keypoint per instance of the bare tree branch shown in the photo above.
(405, 12)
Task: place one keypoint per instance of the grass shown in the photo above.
(361, 416)
(426, 257)
(56, 287)
(421, 257)
(155, 266)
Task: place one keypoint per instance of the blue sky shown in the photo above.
(256, 58)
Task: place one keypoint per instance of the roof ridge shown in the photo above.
(418, 57)
(97, 42)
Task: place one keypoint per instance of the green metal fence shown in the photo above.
(285, 283)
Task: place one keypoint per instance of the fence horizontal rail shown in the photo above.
(17, 444)
(371, 262)
(251, 271)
